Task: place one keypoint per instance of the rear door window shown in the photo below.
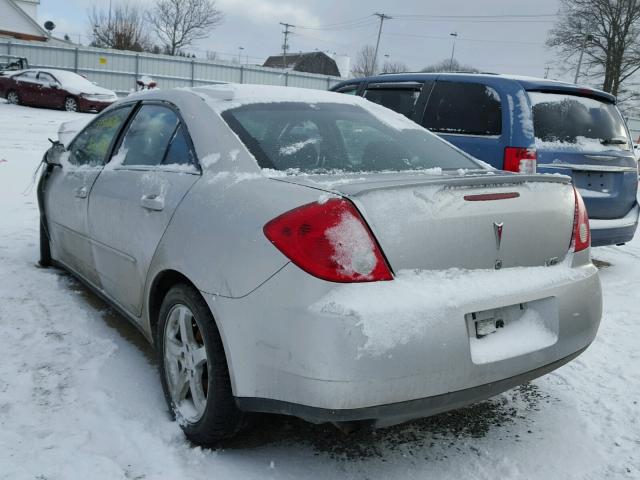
(574, 122)
(179, 152)
(399, 98)
(464, 108)
(349, 89)
(148, 136)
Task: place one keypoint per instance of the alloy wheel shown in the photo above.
(70, 105)
(12, 97)
(186, 364)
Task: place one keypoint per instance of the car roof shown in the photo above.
(229, 95)
(528, 83)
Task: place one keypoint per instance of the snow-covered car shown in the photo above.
(55, 89)
(317, 255)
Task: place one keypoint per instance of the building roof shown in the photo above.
(310, 62)
(21, 26)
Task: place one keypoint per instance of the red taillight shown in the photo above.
(520, 160)
(329, 240)
(581, 230)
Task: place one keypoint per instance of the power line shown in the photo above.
(441, 37)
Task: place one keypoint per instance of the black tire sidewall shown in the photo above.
(45, 247)
(221, 418)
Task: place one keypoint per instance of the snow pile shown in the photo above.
(391, 314)
(354, 249)
(582, 144)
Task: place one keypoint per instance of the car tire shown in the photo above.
(70, 104)
(45, 247)
(187, 331)
(13, 98)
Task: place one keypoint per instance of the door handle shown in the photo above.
(152, 202)
(81, 192)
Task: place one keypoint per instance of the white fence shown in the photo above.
(118, 70)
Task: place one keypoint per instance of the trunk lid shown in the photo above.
(446, 221)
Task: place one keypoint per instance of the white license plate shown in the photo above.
(486, 327)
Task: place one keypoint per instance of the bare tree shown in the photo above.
(123, 28)
(606, 32)
(363, 66)
(179, 23)
(449, 66)
(394, 67)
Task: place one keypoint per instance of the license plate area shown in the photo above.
(603, 182)
(488, 321)
(510, 331)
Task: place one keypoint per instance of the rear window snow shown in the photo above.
(571, 122)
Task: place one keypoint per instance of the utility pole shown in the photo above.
(285, 45)
(546, 71)
(453, 50)
(587, 38)
(382, 18)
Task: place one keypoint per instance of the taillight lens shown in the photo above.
(581, 230)
(520, 160)
(330, 241)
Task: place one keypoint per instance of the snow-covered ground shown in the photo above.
(80, 397)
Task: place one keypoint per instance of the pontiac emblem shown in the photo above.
(497, 228)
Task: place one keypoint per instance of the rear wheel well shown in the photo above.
(161, 285)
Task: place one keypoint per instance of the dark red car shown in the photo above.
(55, 89)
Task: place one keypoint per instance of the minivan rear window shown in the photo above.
(329, 137)
(574, 122)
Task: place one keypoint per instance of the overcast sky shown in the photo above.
(495, 45)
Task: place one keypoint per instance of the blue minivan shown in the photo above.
(525, 125)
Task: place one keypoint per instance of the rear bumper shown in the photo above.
(614, 231)
(396, 413)
(309, 348)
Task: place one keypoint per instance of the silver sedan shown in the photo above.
(313, 254)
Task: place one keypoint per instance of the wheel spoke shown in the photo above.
(181, 386)
(199, 357)
(197, 394)
(174, 348)
(186, 330)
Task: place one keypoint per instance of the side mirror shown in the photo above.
(53, 85)
(52, 157)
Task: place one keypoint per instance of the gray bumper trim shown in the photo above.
(395, 413)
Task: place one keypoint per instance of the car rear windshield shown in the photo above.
(330, 138)
(570, 121)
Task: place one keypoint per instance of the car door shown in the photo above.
(48, 90)
(469, 115)
(134, 198)
(27, 87)
(67, 189)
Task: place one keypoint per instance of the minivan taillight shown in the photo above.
(330, 241)
(520, 160)
(581, 230)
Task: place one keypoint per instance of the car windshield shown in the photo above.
(71, 80)
(333, 137)
(570, 121)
